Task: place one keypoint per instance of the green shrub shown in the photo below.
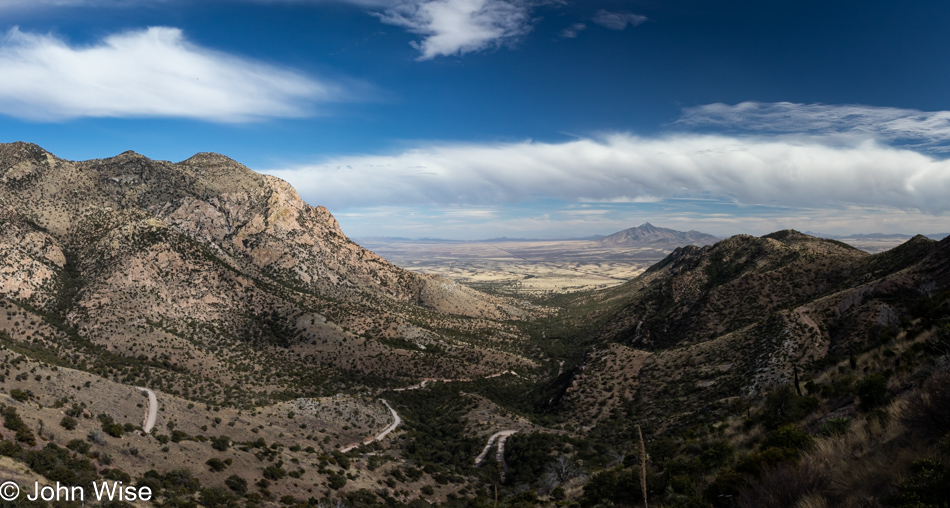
(927, 486)
(274, 473)
(216, 464)
(20, 395)
(220, 443)
(215, 496)
(787, 437)
(336, 481)
(784, 406)
(236, 484)
(69, 423)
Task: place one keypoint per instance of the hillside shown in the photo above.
(206, 279)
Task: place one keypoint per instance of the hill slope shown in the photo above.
(220, 283)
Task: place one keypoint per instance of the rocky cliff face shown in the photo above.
(209, 268)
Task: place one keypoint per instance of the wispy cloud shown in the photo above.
(572, 31)
(617, 20)
(456, 27)
(926, 130)
(623, 167)
(147, 73)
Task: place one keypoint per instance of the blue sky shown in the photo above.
(487, 118)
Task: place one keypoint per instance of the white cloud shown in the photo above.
(928, 130)
(617, 20)
(572, 31)
(456, 27)
(147, 73)
(789, 172)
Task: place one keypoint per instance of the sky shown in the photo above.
(469, 119)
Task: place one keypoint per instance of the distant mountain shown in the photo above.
(877, 236)
(648, 235)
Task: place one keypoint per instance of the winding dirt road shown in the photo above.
(396, 421)
(445, 380)
(152, 411)
(501, 437)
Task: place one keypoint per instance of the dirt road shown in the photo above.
(396, 421)
(152, 412)
(501, 437)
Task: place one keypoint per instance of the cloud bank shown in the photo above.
(456, 27)
(925, 130)
(623, 167)
(147, 73)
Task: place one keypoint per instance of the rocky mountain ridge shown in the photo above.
(224, 274)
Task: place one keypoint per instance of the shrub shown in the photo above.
(342, 460)
(872, 391)
(928, 409)
(784, 406)
(215, 496)
(114, 430)
(336, 481)
(116, 475)
(68, 422)
(20, 395)
(12, 421)
(716, 453)
(928, 485)
(78, 446)
(618, 486)
(216, 464)
(236, 484)
(787, 437)
(274, 473)
(220, 443)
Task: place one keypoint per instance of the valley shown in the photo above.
(197, 328)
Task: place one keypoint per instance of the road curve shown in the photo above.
(501, 436)
(396, 421)
(152, 413)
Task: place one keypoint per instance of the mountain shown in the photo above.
(195, 328)
(648, 235)
(737, 318)
(220, 283)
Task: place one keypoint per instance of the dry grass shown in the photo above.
(855, 469)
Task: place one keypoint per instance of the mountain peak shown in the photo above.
(648, 235)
